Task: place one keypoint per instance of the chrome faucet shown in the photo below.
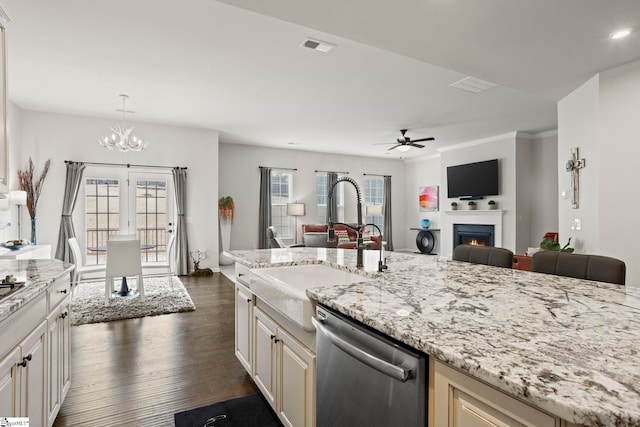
(359, 228)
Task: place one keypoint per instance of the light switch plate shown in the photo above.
(576, 224)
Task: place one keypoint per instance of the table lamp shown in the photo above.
(18, 198)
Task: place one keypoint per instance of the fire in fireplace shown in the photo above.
(473, 234)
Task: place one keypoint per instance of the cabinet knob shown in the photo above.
(240, 274)
(64, 291)
(273, 336)
(25, 361)
(64, 315)
(276, 341)
(248, 299)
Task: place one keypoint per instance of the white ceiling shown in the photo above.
(208, 64)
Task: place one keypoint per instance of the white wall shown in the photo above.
(544, 186)
(579, 126)
(600, 118)
(240, 179)
(59, 137)
(423, 172)
(620, 148)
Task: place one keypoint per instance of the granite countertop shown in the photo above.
(567, 346)
(39, 275)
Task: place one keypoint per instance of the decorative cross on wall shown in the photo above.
(574, 165)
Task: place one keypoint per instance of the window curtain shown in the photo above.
(264, 208)
(182, 242)
(332, 209)
(71, 188)
(386, 210)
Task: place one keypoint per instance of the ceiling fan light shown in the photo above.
(620, 34)
(403, 148)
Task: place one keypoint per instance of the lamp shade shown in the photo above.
(18, 197)
(295, 209)
(374, 210)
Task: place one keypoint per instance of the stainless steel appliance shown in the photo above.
(364, 378)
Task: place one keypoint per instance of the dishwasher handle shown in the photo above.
(376, 363)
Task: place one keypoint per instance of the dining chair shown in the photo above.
(487, 255)
(168, 263)
(80, 268)
(122, 237)
(123, 260)
(590, 267)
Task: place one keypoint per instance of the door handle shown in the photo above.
(389, 369)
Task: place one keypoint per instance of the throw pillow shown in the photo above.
(342, 235)
(366, 236)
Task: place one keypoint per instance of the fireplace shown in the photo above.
(473, 234)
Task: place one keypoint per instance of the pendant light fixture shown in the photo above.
(122, 137)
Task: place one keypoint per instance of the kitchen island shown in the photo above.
(566, 346)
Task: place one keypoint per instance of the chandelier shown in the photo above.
(122, 137)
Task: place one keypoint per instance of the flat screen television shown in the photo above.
(473, 180)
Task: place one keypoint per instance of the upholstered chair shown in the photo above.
(487, 255)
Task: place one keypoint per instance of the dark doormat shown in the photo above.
(247, 411)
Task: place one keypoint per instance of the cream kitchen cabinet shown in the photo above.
(244, 319)
(284, 370)
(35, 350)
(23, 378)
(460, 401)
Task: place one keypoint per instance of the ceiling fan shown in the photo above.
(405, 143)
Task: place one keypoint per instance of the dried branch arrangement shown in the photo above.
(26, 180)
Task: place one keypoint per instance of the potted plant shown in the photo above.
(454, 206)
(226, 209)
(551, 245)
(472, 205)
(492, 204)
(33, 186)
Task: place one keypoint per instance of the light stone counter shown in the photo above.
(39, 275)
(568, 346)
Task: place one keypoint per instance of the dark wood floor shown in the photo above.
(139, 372)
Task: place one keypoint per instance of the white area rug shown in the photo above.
(87, 305)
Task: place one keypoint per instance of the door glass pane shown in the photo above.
(102, 216)
(151, 218)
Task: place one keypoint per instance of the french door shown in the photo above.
(126, 202)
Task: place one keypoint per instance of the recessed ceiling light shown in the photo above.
(620, 34)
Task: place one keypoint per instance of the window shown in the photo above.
(144, 208)
(321, 191)
(102, 216)
(374, 195)
(280, 195)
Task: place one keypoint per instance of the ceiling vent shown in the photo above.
(473, 85)
(318, 45)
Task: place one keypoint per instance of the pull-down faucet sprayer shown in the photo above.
(358, 229)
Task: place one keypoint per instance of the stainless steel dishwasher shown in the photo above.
(364, 378)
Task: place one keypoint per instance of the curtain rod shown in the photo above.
(282, 169)
(375, 174)
(342, 173)
(128, 165)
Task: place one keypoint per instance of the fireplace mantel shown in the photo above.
(489, 217)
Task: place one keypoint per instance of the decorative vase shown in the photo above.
(33, 231)
(225, 238)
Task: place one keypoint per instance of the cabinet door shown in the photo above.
(34, 376)
(10, 384)
(264, 354)
(65, 349)
(296, 382)
(53, 365)
(244, 308)
(464, 401)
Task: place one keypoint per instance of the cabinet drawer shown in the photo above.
(19, 325)
(242, 273)
(60, 289)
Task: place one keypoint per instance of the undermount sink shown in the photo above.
(283, 288)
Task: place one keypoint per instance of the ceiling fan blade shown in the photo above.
(416, 145)
(423, 139)
(384, 143)
(395, 146)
